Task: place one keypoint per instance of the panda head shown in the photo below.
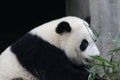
(73, 36)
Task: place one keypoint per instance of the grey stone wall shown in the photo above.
(78, 8)
(105, 18)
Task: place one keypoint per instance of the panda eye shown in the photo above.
(84, 44)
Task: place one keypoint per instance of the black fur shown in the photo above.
(18, 78)
(63, 27)
(88, 19)
(45, 61)
(84, 45)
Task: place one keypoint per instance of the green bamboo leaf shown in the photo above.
(101, 65)
(104, 68)
(102, 60)
(115, 50)
(92, 76)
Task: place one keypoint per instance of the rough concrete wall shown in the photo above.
(105, 18)
(78, 8)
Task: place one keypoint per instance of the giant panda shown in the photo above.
(58, 50)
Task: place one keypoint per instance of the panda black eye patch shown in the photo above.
(84, 45)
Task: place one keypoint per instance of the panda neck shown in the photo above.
(44, 60)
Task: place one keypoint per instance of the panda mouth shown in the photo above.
(83, 66)
(89, 60)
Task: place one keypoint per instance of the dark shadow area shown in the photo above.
(18, 17)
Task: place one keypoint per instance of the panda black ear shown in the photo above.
(88, 19)
(63, 27)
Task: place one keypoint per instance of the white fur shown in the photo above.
(10, 67)
(69, 42)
